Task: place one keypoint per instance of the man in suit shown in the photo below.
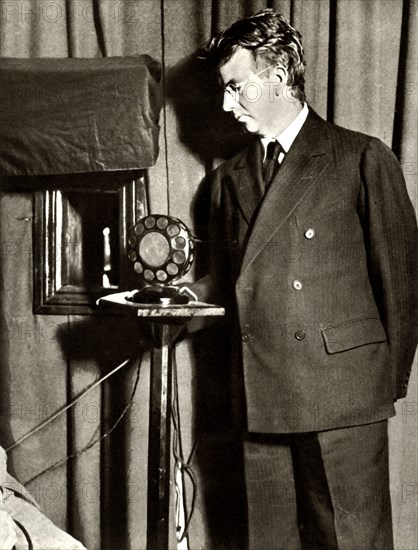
(315, 258)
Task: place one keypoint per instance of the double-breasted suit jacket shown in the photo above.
(322, 271)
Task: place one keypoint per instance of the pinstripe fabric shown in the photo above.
(326, 490)
(356, 304)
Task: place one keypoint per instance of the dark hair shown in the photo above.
(268, 36)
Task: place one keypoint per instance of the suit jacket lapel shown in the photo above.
(247, 180)
(302, 167)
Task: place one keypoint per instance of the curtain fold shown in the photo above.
(361, 73)
(366, 65)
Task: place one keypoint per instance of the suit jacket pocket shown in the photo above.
(352, 334)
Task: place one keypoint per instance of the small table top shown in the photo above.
(120, 301)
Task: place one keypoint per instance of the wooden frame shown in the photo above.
(52, 294)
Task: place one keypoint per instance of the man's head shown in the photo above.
(261, 65)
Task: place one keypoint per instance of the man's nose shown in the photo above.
(229, 102)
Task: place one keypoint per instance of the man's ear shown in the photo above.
(281, 73)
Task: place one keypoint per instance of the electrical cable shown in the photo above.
(63, 409)
(164, 108)
(90, 445)
(178, 450)
(175, 415)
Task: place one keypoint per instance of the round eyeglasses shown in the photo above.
(234, 89)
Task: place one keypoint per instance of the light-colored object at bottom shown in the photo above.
(32, 529)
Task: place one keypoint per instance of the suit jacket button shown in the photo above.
(297, 285)
(300, 335)
(310, 233)
(245, 337)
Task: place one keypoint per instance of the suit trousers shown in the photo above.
(327, 490)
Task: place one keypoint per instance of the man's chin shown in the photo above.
(248, 125)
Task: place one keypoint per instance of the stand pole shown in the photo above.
(166, 322)
(159, 441)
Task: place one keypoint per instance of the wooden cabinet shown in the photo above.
(80, 234)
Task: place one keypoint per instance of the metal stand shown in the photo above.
(159, 441)
(166, 322)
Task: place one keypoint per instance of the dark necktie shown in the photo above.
(271, 164)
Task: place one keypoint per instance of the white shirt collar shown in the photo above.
(288, 135)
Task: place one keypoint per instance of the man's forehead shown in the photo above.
(238, 66)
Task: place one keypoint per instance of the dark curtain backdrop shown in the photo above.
(361, 73)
